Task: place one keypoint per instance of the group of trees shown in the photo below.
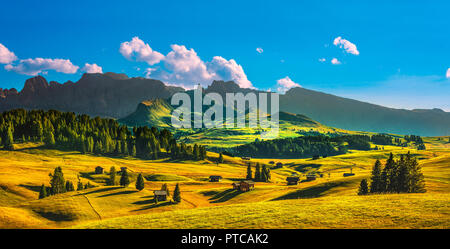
(124, 180)
(262, 174)
(299, 147)
(303, 147)
(59, 185)
(417, 140)
(398, 176)
(66, 130)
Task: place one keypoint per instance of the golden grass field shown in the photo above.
(328, 202)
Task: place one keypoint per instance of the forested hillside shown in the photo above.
(66, 130)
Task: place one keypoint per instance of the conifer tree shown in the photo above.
(220, 160)
(402, 176)
(133, 150)
(9, 140)
(112, 176)
(49, 138)
(80, 186)
(196, 152)
(416, 178)
(57, 181)
(376, 181)
(69, 186)
(177, 194)
(363, 188)
(264, 174)
(249, 172)
(43, 192)
(124, 179)
(258, 173)
(387, 174)
(164, 187)
(140, 182)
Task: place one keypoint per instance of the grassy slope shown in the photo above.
(330, 201)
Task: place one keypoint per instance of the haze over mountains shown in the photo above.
(116, 95)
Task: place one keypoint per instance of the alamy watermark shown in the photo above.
(237, 108)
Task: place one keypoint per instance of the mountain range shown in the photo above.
(118, 96)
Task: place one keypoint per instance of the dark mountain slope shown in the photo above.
(107, 95)
(356, 115)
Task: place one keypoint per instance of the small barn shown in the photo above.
(235, 185)
(310, 177)
(292, 180)
(215, 178)
(98, 170)
(161, 195)
(348, 174)
(247, 185)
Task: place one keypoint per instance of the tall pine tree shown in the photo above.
(376, 185)
(177, 194)
(124, 179)
(140, 182)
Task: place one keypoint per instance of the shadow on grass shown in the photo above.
(99, 190)
(313, 191)
(120, 193)
(154, 205)
(303, 168)
(217, 197)
(31, 187)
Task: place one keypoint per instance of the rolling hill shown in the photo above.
(157, 113)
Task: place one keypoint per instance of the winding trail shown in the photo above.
(90, 204)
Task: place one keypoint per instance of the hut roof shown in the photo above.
(160, 192)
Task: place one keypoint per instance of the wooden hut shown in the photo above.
(235, 185)
(292, 180)
(161, 195)
(215, 178)
(98, 170)
(310, 177)
(247, 185)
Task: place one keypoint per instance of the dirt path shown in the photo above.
(90, 204)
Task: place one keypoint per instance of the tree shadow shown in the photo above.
(313, 191)
(303, 168)
(120, 193)
(223, 196)
(31, 187)
(99, 190)
(154, 205)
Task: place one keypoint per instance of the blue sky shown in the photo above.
(392, 54)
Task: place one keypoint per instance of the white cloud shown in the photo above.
(347, 45)
(92, 68)
(285, 84)
(259, 50)
(6, 56)
(38, 65)
(184, 67)
(447, 75)
(335, 61)
(322, 59)
(229, 70)
(136, 48)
